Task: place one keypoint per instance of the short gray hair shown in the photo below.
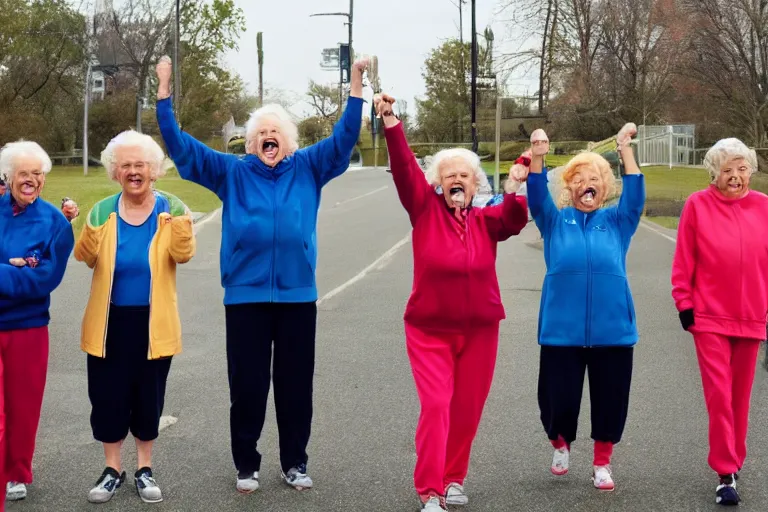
(287, 127)
(153, 153)
(14, 150)
(470, 158)
(726, 150)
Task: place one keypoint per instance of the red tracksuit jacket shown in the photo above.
(454, 282)
(721, 263)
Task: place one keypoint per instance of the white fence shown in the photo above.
(666, 145)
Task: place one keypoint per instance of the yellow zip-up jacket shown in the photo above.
(173, 243)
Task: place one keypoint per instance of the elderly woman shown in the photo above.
(587, 318)
(453, 314)
(720, 288)
(3, 186)
(131, 329)
(35, 243)
(271, 198)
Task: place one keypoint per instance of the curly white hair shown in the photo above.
(288, 128)
(726, 150)
(470, 158)
(23, 148)
(153, 153)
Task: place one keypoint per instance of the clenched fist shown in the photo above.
(539, 143)
(70, 209)
(361, 65)
(383, 104)
(625, 135)
(164, 70)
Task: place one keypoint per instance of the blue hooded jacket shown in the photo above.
(42, 234)
(585, 299)
(269, 216)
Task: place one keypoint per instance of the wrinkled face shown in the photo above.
(28, 180)
(458, 182)
(733, 180)
(267, 142)
(587, 189)
(132, 171)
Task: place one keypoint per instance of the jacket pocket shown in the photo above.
(612, 312)
(563, 309)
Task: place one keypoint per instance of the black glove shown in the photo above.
(686, 319)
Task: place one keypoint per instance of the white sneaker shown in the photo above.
(602, 478)
(560, 461)
(15, 491)
(106, 487)
(455, 495)
(147, 487)
(432, 505)
(297, 477)
(248, 484)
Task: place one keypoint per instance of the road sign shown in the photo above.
(330, 60)
(344, 63)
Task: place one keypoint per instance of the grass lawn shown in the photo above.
(88, 190)
(667, 222)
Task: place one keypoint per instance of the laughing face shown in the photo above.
(267, 142)
(133, 171)
(28, 180)
(457, 180)
(733, 180)
(587, 189)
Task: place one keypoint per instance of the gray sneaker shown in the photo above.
(106, 487)
(146, 486)
(15, 491)
(297, 477)
(248, 482)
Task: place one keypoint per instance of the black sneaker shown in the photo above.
(146, 486)
(106, 486)
(726, 493)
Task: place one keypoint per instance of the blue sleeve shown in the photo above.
(329, 158)
(543, 209)
(194, 160)
(631, 204)
(40, 281)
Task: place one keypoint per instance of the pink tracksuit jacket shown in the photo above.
(720, 268)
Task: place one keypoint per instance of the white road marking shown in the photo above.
(384, 258)
(199, 225)
(647, 225)
(385, 187)
(167, 421)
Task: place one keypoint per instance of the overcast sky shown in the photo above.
(400, 32)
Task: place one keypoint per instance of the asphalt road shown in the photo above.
(362, 451)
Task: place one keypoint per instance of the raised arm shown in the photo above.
(35, 282)
(329, 158)
(411, 184)
(543, 209)
(684, 264)
(632, 198)
(194, 160)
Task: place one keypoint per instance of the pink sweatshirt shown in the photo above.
(454, 262)
(720, 268)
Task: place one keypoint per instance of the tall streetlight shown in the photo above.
(474, 80)
(349, 17)
(176, 73)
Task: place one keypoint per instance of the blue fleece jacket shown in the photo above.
(269, 217)
(585, 299)
(41, 231)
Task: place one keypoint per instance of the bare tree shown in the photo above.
(143, 30)
(324, 99)
(731, 41)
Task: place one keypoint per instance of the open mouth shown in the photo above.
(734, 185)
(457, 195)
(28, 189)
(588, 197)
(270, 147)
(135, 181)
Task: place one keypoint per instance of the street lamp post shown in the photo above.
(474, 80)
(176, 73)
(348, 15)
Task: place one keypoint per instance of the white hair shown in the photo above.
(153, 153)
(23, 148)
(470, 158)
(726, 150)
(287, 127)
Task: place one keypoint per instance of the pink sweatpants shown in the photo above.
(23, 369)
(453, 374)
(727, 372)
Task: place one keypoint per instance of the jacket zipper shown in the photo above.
(588, 332)
(109, 295)
(274, 240)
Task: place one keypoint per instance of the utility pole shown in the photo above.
(351, 53)
(176, 73)
(348, 15)
(260, 48)
(474, 79)
(88, 76)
